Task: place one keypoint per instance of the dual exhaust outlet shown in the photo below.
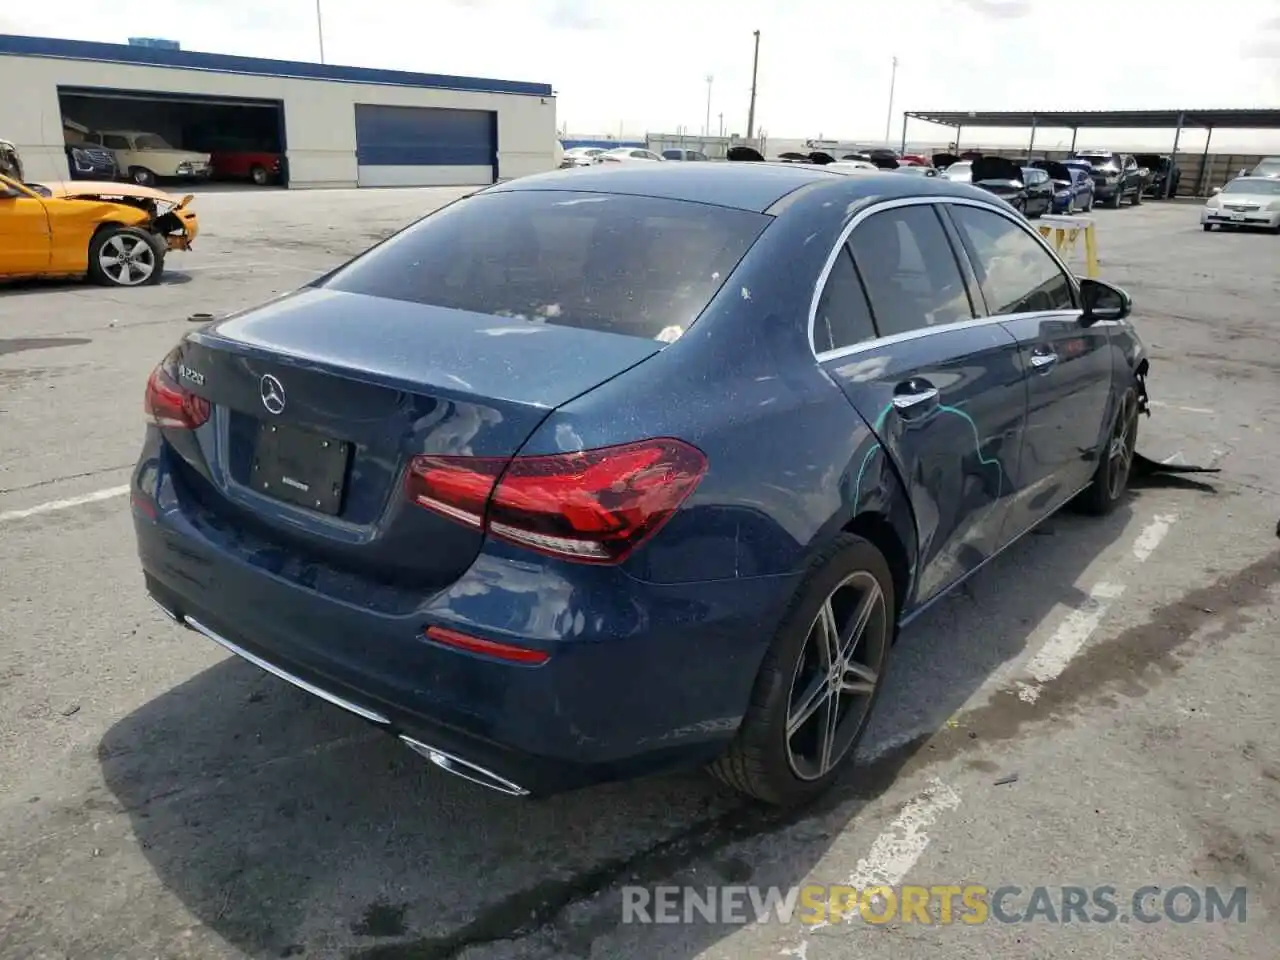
(448, 762)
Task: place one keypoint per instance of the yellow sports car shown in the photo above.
(117, 233)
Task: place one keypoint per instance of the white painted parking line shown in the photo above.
(1151, 535)
(1074, 631)
(900, 845)
(1174, 406)
(895, 851)
(54, 505)
(1071, 635)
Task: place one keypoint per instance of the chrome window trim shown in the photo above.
(1011, 215)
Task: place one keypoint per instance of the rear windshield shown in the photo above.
(639, 266)
(1097, 159)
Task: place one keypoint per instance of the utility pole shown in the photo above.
(722, 126)
(755, 67)
(706, 129)
(888, 120)
(320, 29)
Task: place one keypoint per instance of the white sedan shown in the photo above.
(1244, 202)
(626, 155)
(852, 166)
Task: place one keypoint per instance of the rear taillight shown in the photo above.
(594, 506)
(169, 404)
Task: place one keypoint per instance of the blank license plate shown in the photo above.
(300, 467)
(1237, 216)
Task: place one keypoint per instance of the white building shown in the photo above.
(335, 126)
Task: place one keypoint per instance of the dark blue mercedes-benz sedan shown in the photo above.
(602, 472)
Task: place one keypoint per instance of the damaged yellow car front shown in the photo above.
(116, 233)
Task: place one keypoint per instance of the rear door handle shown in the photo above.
(915, 397)
(1043, 361)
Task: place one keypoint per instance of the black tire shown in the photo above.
(764, 761)
(142, 254)
(142, 176)
(1116, 199)
(1137, 197)
(258, 174)
(1207, 227)
(1115, 460)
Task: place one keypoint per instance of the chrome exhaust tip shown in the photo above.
(464, 768)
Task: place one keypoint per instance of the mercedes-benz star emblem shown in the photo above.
(272, 392)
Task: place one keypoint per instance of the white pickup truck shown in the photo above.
(145, 157)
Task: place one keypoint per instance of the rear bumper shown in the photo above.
(642, 677)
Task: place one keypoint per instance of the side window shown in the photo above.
(1016, 273)
(910, 270)
(843, 318)
(116, 143)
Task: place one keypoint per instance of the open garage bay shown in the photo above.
(1097, 707)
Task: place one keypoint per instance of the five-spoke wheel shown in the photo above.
(819, 679)
(125, 257)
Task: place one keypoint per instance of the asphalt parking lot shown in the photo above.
(1097, 708)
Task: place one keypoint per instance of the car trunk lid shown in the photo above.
(996, 170)
(322, 397)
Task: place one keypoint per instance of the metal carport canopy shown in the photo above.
(1242, 119)
(1231, 119)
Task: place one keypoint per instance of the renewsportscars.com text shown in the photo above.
(934, 905)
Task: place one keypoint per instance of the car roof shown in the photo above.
(743, 185)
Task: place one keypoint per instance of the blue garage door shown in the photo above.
(425, 146)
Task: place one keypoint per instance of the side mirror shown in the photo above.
(1102, 301)
(1215, 191)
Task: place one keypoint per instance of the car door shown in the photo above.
(1068, 383)
(941, 390)
(1132, 182)
(1046, 191)
(25, 240)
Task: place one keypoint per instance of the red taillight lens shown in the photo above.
(167, 404)
(487, 648)
(595, 506)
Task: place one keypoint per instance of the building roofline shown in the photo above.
(50, 47)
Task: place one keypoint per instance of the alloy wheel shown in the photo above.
(127, 260)
(1120, 451)
(836, 676)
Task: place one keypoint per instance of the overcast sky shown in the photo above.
(641, 65)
